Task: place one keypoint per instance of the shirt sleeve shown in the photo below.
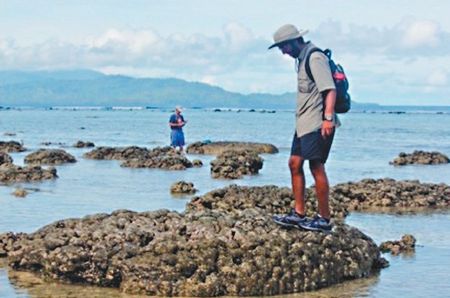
(173, 119)
(320, 69)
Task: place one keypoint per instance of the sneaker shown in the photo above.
(318, 223)
(291, 220)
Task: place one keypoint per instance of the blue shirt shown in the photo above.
(174, 119)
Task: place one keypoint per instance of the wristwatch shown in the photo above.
(328, 117)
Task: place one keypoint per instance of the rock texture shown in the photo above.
(183, 187)
(11, 146)
(49, 157)
(137, 157)
(420, 157)
(117, 153)
(5, 158)
(161, 158)
(389, 194)
(406, 245)
(233, 164)
(202, 252)
(197, 163)
(10, 173)
(216, 148)
(81, 144)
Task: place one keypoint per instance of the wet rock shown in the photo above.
(233, 164)
(9, 134)
(53, 144)
(197, 163)
(81, 144)
(420, 157)
(201, 252)
(117, 153)
(216, 148)
(20, 193)
(161, 158)
(11, 146)
(49, 157)
(406, 245)
(388, 195)
(10, 173)
(8, 242)
(5, 158)
(182, 187)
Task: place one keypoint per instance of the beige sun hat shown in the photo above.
(178, 108)
(285, 33)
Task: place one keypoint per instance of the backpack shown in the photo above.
(343, 102)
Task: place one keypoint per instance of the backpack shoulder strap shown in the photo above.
(307, 67)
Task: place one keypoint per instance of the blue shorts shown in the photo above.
(176, 137)
(312, 146)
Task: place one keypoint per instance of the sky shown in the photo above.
(394, 52)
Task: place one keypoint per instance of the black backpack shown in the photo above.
(343, 102)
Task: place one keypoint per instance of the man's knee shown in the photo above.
(296, 164)
(316, 167)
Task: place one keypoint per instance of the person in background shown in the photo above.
(315, 123)
(176, 123)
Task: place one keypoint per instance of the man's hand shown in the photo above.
(327, 128)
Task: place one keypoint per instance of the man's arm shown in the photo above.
(329, 102)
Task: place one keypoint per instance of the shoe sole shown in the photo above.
(316, 229)
(286, 225)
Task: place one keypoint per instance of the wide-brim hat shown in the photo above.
(286, 33)
(179, 108)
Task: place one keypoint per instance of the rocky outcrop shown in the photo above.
(161, 158)
(117, 153)
(406, 245)
(10, 173)
(81, 144)
(183, 187)
(202, 252)
(11, 146)
(389, 194)
(20, 193)
(216, 148)
(420, 157)
(233, 164)
(49, 157)
(197, 163)
(5, 158)
(269, 199)
(138, 157)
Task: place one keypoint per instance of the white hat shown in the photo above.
(178, 108)
(286, 33)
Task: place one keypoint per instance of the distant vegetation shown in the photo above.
(90, 88)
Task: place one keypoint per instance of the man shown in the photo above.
(314, 129)
(176, 123)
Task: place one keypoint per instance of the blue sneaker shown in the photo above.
(318, 223)
(291, 220)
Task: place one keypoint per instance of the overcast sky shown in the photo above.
(395, 52)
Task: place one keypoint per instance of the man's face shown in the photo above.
(289, 48)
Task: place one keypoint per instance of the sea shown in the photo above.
(363, 147)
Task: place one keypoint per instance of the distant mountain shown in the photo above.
(90, 88)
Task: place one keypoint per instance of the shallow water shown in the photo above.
(363, 147)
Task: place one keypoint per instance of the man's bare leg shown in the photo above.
(298, 182)
(322, 187)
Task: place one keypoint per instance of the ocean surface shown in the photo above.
(363, 147)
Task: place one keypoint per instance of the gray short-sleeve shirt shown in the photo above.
(309, 109)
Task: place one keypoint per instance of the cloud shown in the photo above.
(421, 33)
(406, 57)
